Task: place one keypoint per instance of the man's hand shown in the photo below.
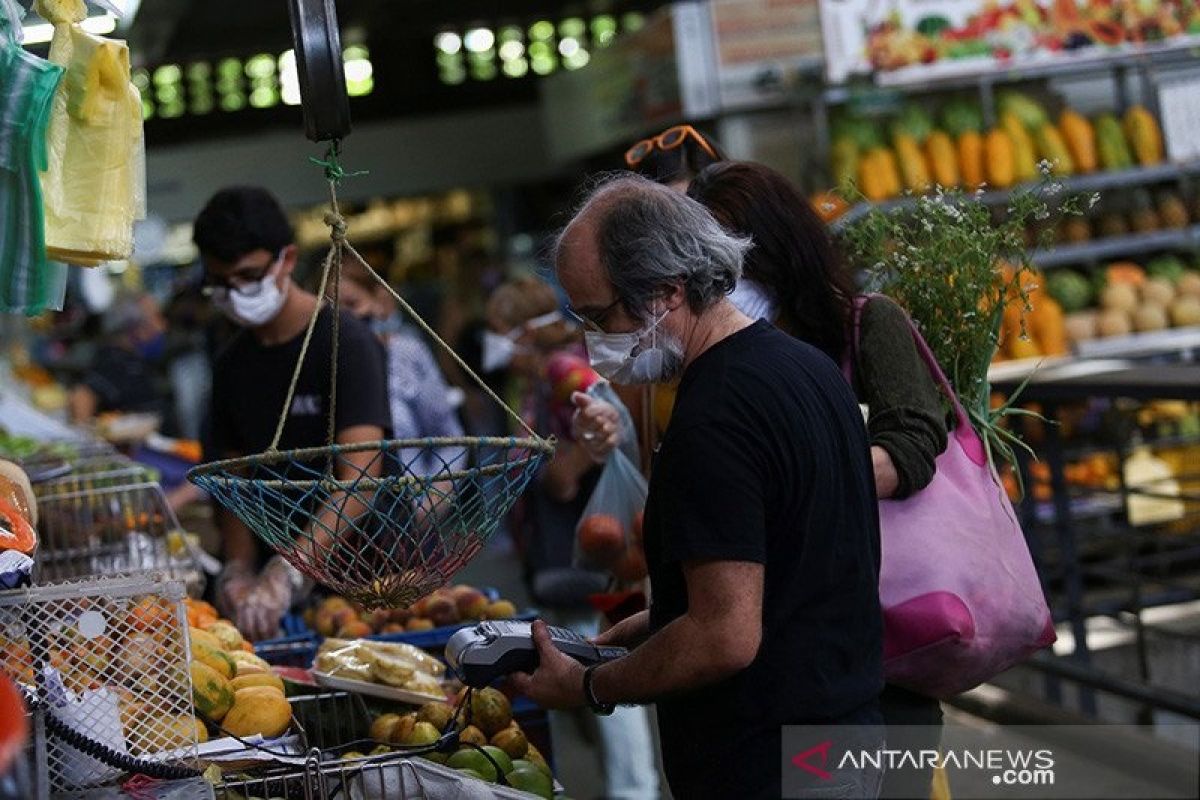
(596, 425)
(629, 632)
(887, 481)
(558, 680)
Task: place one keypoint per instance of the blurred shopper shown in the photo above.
(527, 334)
(419, 399)
(248, 252)
(673, 157)
(794, 278)
(761, 530)
(122, 376)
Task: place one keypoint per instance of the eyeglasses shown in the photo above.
(669, 139)
(594, 321)
(249, 283)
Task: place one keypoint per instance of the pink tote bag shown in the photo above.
(961, 598)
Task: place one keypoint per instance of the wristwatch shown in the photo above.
(589, 694)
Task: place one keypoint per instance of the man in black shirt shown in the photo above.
(247, 249)
(761, 529)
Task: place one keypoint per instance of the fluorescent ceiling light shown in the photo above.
(41, 33)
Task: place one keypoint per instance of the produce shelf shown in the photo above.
(1141, 345)
(1117, 247)
(1075, 184)
(920, 80)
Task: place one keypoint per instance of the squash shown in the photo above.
(970, 159)
(1049, 327)
(258, 710)
(211, 693)
(256, 679)
(1052, 148)
(942, 159)
(912, 163)
(1024, 159)
(1080, 139)
(998, 159)
(1142, 131)
(217, 659)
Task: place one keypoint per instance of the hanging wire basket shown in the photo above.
(388, 532)
(383, 523)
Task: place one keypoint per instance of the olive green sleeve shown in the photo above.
(907, 414)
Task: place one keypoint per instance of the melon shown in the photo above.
(1119, 297)
(1113, 322)
(1150, 317)
(1158, 291)
(1185, 311)
(211, 693)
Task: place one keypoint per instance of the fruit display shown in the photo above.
(395, 664)
(1005, 32)
(1127, 298)
(232, 687)
(452, 605)
(1142, 210)
(957, 151)
(492, 747)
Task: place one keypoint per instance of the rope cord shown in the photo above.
(334, 173)
(433, 334)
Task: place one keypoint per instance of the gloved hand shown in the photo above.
(261, 605)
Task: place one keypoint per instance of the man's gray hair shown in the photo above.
(650, 236)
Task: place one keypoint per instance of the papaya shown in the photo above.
(970, 159)
(1052, 148)
(1049, 327)
(1024, 158)
(215, 658)
(885, 162)
(257, 679)
(248, 663)
(1080, 139)
(258, 710)
(1111, 146)
(943, 161)
(211, 693)
(912, 163)
(998, 159)
(846, 158)
(871, 182)
(1142, 131)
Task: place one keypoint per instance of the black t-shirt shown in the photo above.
(766, 460)
(250, 382)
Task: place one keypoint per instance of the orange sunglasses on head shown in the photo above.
(667, 140)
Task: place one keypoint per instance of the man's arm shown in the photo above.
(718, 637)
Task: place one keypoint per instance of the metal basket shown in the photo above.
(105, 472)
(123, 529)
(335, 720)
(390, 528)
(109, 660)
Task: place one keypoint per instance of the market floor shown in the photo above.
(577, 752)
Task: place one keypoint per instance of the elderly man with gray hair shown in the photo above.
(761, 532)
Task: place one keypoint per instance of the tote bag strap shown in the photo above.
(964, 431)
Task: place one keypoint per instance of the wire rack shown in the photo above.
(121, 529)
(331, 723)
(107, 659)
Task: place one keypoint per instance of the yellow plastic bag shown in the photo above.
(94, 188)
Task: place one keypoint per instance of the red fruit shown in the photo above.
(602, 538)
(632, 566)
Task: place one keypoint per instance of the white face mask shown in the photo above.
(754, 300)
(254, 305)
(624, 359)
(499, 349)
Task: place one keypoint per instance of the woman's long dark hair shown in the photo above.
(793, 254)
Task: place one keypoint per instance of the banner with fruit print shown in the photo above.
(910, 41)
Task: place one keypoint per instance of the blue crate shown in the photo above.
(289, 651)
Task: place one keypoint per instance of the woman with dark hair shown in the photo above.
(793, 277)
(674, 157)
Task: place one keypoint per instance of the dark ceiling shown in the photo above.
(399, 34)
